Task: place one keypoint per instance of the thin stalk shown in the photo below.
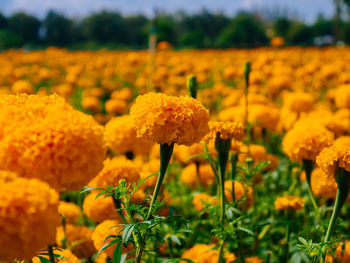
(233, 159)
(51, 255)
(308, 167)
(221, 252)
(343, 180)
(118, 206)
(166, 151)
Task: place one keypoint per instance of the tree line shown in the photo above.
(201, 30)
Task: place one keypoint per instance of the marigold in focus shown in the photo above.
(333, 156)
(28, 218)
(121, 137)
(167, 119)
(45, 138)
(306, 142)
(289, 202)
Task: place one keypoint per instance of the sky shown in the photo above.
(306, 10)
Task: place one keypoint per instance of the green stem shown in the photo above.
(308, 167)
(343, 180)
(166, 151)
(221, 252)
(118, 206)
(51, 255)
(234, 158)
(222, 146)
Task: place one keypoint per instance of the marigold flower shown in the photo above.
(201, 200)
(333, 156)
(342, 254)
(226, 129)
(22, 86)
(253, 259)
(263, 116)
(114, 170)
(70, 211)
(115, 106)
(105, 229)
(121, 137)
(298, 101)
(78, 240)
(203, 253)
(45, 138)
(289, 202)
(306, 142)
(189, 154)
(65, 256)
(28, 218)
(167, 119)
(100, 208)
(241, 191)
(256, 152)
(189, 175)
(91, 104)
(322, 186)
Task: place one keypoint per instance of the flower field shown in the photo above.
(178, 156)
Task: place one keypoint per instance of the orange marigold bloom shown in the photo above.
(342, 254)
(22, 86)
(253, 259)
(115, 106)
(322, 186)
(121, 137)
(263, 116)
(333, 156)
(203, 253)
(114, 170)
(189, 175)
(241, 191)
(185, 154)
(257, 153)
(70, 211)
(91, 104)
(28, 218)
(298, 101)
(78, 240)
(100, 208)
(66, 256)
(201, 200)
(45, 138)
(166, 119)
(226, 129)
(289, 202)
(105, 229)
(306, 142)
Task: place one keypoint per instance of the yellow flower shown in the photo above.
(226, 129)
(100, 208)
(105, 229)
(167, 119)
(343, 254)
(201, 200)
(333, 156)
(45, 138)
(203, 253)
(263, 116)
(70, 211)
(22, 86)
(190, 177)
(28, 218)
(322, 186)
(65, 256)
(78, 240)
(189, 154)
(241, 191)
(298, 101)
(91, 104)
(289, 202)
(115, 170)
(253, 259)
(277, 41)
(306, 142)
(121, 137)
(115, 106)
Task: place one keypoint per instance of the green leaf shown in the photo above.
(43, 260)
(248, 231)
(127, 233)
(117, 253)
(303, 241)
(175, 239)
